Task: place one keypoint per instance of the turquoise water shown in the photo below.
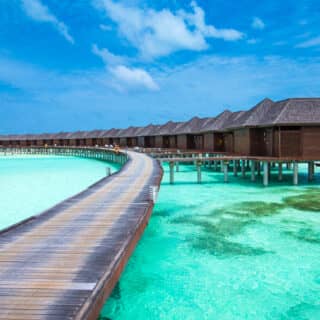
(225, 251)
(31, 184)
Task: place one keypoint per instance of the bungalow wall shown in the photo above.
(141, 142)
(166, 142)
(182, 141)
(287, 142)
(242, 141)
(159, 142)
(23, 143)
(218, 142)
(39, 143)
(132, 142)
(228, 140)
(173, 142)
(195, 141)
(208, 141)
(149, 142)
(123, 142)
(99, 142)
(258, 142)
(311, 142)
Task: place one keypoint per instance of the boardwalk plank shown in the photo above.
(64, 263)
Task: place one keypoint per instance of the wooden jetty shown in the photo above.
(64, 263)
(256, 165)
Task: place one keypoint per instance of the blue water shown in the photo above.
(32, 184)
(225, 251)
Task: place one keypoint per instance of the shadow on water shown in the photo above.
(218, 227)
(302, 311)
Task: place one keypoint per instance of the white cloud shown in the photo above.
(105, 27)
(257, 23)
(159, 33)
(134, 77)
(39, 12)
(126, 76)
(107, 57)
(314, 42)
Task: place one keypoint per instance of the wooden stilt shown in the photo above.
(235, 169)
(265, 174)
(243, 168)
(253, 170)
(171, 166)
(295, 173)
(225, 171)
(280, 177)
(199, 171)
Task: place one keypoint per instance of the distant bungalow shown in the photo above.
(288, 128)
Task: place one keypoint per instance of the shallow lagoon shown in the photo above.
(225, 251)
(32, 184)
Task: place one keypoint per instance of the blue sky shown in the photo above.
(89, 64)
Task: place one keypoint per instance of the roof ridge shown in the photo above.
(282, 111)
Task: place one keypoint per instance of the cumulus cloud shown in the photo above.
(127, 76)
(134, 77)
(160, 33)
(314, 42)
(257, 23)
(40, 13)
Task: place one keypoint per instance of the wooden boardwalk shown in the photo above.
(64, 263)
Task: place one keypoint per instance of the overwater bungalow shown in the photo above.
(189, 135)
(165, 137)
(290, 128)
(146, 136)
(215, 137)
(247, 139)
(61, 139)
(129, 137)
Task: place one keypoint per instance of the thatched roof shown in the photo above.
(168, 128)
(217, 123)
(293, 112)
(192, 126)
(251, 117)
(150, 130)
(131, 132)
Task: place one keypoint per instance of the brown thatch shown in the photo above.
(302, 111)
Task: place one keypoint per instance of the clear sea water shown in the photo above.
(225, 251)
(32, 184)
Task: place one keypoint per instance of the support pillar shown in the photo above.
(215, 165)
(310, 170)
(243, 168)
(221, 165)
(265, 174)
(280, 177)
(225, 171)
(235, 169)
(259, 168)
(199, 171)
(253, 171)
(177, 166)
(171, 165)
(295, 173)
